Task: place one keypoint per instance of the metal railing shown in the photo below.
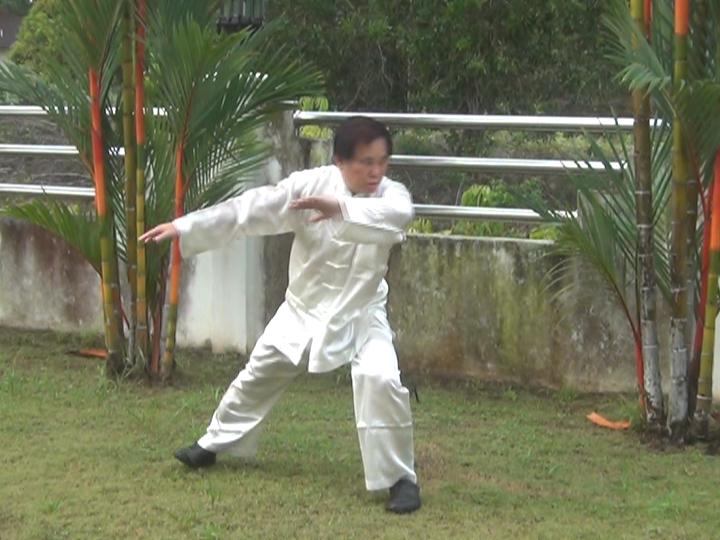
(439, 121)
(421, 210)
(485, 165)
(474, 121)
(63, 192)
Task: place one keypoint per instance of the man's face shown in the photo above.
(362, 173)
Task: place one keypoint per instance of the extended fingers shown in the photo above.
(145, 237)
(156, 234)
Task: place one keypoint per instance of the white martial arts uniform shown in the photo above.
(334, 311)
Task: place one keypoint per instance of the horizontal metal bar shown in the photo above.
(21, 110)
(34, 110)
(41, 150)
(500, 165)
(474, 121)
(38, 150)
(489, 165)
(521, 215)
(481, 213)
(70, 192)
(476, 213)
(438, 121)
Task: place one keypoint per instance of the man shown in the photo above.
(345, 217)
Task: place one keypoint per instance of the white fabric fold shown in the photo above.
(337, 266)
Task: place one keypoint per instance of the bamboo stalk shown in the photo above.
(704, 392)
(678, 407)
(110, 290)
(141, 311)
(130, 175)
(700, 315)
(649, 371)
(175, 267)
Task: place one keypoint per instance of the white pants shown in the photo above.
(382, 409)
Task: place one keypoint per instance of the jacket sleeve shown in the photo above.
(375, 220)
(259, 211)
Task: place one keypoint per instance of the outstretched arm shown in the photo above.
(259, 211)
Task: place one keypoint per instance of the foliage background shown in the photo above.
(461, 56)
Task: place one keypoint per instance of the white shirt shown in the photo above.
(336, 287)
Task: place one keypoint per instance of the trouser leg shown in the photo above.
(236, 423)
(382, 413)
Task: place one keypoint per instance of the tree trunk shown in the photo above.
(652, 379)
(108, 275)
(175, 267)
(678, 409)
(130, 176)
(141, 313)
(704, 392)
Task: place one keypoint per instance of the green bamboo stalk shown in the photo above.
(651, 376)
(141, 310)
(175, 267)
(130, 174)
(704, 389)
(678, 402)
(108, 265)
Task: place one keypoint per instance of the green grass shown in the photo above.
(83, 457)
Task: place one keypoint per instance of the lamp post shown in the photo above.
(236, 15)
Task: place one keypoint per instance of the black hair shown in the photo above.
(358, 130)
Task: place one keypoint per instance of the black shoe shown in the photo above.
(404, 497)
(195, 456)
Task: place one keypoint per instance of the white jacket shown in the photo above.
(336, 288)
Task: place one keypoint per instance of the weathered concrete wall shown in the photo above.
(459, 306)
(45, 285)
(481, 306)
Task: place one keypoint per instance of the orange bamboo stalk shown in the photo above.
(175, 262)
(682, 17)
(97, 144)
(108, 275)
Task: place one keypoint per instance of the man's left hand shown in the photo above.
(326, 207)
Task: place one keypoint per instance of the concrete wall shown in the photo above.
(45, 285)
(482, 306)
(459, 306)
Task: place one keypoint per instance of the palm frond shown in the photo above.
(218, 91)
(643, 64)
(74, 223)
(699, 109)
(604, 234)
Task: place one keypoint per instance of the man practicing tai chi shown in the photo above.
(345, 217)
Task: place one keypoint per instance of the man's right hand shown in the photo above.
(164, 231)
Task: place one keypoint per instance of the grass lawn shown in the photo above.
(84, 457)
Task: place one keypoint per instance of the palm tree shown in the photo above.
(215, 92)
(679, 75)
(704, 385)
(603, 235)
(678, 404)
(141, 309)
(128, 99)
(652, 390)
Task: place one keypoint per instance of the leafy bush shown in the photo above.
(38, 38)
(466, 56)
(496, 194)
